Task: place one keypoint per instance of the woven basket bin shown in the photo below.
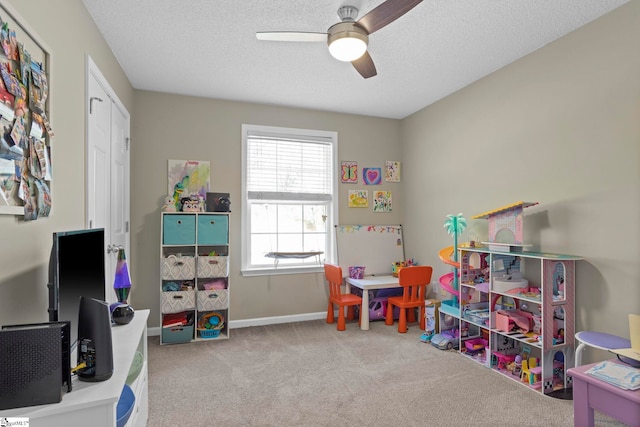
(175, 302)
(215, 299)
(213, 266)
(178, 268)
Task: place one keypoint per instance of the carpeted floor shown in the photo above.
(309, 374)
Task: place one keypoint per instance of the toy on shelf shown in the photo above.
(210, 325)
(396, 266)
(169, 205)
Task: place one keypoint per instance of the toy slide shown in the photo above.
(445, 283)
(447, 279)
(445, 256)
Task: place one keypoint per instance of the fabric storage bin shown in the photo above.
(177, 334)
(213, 229)
(213, 266)
(178, 229)
(217, 299)
(178, 267)
(177, 301)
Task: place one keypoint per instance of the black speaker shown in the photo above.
(94, 340)
(34, 364)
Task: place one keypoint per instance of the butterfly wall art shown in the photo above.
(349, 172)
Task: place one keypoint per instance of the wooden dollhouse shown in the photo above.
(520, 302)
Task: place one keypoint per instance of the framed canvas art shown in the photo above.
(382, 201)
(358, 198)
(392, 171)
(188, 178)
(372, 176)
(349, 172)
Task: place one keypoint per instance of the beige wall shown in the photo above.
(560, 127)
(179, 127)
(68, 31)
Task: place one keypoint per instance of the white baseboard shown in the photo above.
(260, 321)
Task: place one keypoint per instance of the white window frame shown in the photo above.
(332, 219)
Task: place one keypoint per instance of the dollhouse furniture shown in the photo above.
(502, 360)
(600, 340)
(590, 393)
(534, 375)
(414, 281)
(333, 274)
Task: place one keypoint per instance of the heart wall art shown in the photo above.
(372, 176)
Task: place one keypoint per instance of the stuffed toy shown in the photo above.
(169, 205)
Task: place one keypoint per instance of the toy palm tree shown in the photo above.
(455, 224)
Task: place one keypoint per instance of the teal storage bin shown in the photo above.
(213, 229)
(177, 334)
(179, 229)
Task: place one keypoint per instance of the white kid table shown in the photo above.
(367, 283)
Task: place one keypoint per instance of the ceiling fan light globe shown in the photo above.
(347, 49)
(347, 41)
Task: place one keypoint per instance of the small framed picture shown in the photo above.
(372, 176)
(392, 171)
(382, 201)
(358, 198)
(349, 172)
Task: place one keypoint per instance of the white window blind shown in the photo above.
(284, 168)
(289, 204)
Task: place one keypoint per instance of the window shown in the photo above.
(288, 205)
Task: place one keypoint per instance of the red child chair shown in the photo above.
(333, 274)
(414, 281)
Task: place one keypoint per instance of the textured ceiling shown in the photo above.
(208, 48)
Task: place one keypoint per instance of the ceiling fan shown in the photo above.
(348, 39)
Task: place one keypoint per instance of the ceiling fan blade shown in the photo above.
(386, 13)
(291, 36)
(365, 66)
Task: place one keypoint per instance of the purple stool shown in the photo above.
(598, 340)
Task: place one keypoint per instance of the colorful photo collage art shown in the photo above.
(25, 156)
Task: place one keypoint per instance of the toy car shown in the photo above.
(426, 336)
(446, 340)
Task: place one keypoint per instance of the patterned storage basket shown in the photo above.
(175, 302)
(213, 266)
(176, 267)
(216, 299)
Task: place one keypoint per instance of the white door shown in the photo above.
(107, 169)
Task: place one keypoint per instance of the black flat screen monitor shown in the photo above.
(76, 268)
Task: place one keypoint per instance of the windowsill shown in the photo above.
(282, 270)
